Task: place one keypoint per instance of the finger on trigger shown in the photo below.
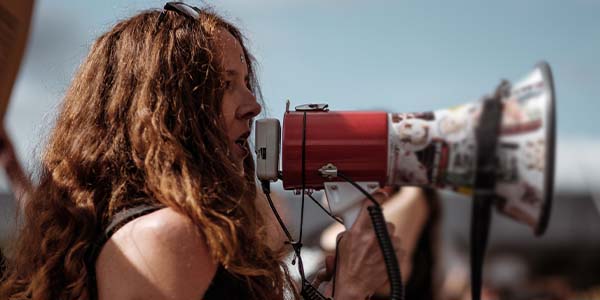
(381, 194)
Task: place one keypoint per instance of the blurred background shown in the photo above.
(400, 56)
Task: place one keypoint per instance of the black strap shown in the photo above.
(125, 216)
(118, 220)
(486, 135)
(2, 264)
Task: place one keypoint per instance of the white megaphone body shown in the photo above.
(438, 149)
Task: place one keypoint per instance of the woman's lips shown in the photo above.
(241, 145)
(241, 150)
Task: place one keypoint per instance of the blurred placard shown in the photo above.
(15, 16)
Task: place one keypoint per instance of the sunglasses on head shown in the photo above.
(180, 8)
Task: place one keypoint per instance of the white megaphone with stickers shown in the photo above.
(500, 150)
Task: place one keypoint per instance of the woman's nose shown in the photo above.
(249, 109)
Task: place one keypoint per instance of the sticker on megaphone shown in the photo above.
(440, 149)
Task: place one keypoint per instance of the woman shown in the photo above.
(157, 118)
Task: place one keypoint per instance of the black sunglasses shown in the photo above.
(181, 8)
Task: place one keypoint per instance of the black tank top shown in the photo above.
(223, 286)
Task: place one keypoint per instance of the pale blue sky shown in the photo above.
(394, 55)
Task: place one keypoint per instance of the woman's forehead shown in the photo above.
(232, 53)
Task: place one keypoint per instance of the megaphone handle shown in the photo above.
(480, 226)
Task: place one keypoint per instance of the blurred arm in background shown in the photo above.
(19, 182)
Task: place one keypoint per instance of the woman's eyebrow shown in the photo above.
(231, 72)
(234, 73)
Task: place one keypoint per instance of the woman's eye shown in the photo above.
(227, 84)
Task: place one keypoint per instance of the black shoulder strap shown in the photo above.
(125, 216)
(118, 220)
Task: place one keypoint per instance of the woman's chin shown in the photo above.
(239, 164)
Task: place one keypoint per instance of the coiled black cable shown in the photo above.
(387, 249)
(309, 292)
(385, 242)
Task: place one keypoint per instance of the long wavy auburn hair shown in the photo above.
(141, 123)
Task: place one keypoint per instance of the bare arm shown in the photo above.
(408, 211)
(158, 256)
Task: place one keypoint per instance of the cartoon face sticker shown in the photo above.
(534, 154)
(454, 127)
(409, 170)
(413, 134)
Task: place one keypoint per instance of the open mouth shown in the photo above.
(241, 143)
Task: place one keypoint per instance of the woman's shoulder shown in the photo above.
(160, 255)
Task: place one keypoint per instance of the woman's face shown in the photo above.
(239, 105)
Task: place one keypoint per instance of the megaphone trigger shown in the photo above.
(345, 200)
